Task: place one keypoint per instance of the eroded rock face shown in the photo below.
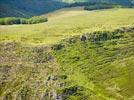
(54, 83)
(53, 95)
(59, 90)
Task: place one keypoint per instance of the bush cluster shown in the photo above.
(15, 20)
(106, 35)
(100, 6)
(76, 4)
(37, 19)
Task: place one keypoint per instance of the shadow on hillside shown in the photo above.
(27, 8)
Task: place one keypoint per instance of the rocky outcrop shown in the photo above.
(53, 84)
(83, 38)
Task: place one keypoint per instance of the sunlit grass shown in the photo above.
(101, 70)
(65, 23)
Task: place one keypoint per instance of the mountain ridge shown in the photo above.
(27, 8)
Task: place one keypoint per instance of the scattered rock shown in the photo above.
(53, 95)
(83, 38)
(50, 58)
(58, 46)
(71, 40)
(71, 90)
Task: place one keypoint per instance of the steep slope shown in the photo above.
(97, 65)
(94, 66)
(100, 64)
(26, 8)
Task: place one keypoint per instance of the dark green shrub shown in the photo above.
(2, 21)
(63, 76)
(8, 21)
(106, 35)
(37, 19)
(57, 46)
(100, 6)
(15, 20)
(95, 7)
(23, 21)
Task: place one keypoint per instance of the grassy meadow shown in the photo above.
(49, 61)
(65, 23)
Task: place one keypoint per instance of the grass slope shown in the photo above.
(103, 65)
(65, 23)
(100, 68)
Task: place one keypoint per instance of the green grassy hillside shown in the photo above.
(64, 23)
(76, 55)
(102, 66)
(99, 67)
